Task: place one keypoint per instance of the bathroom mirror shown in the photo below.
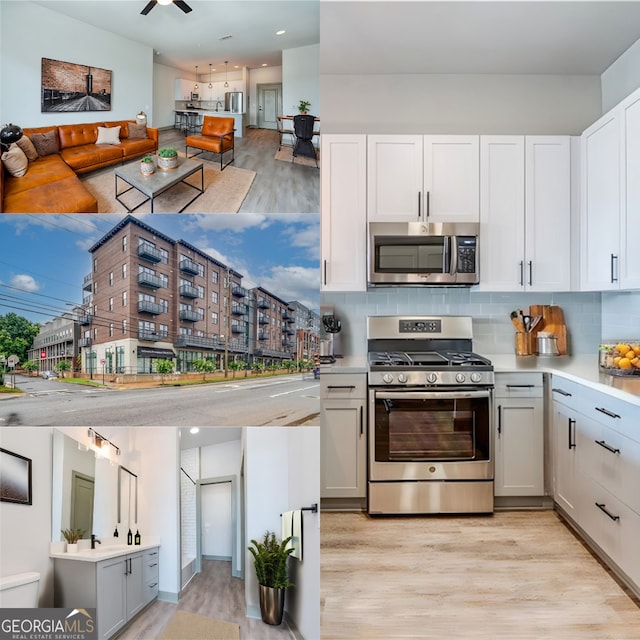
(127, 497)
(84, 490)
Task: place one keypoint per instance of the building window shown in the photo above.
(165, 256)
(124, 298)
(214, 297)
(124, 243)
(200, 313)
(111, 278)
(214, 318)
(111, 329)
(124, 271)
(124, 326)
(164, 330)
(95, 333)
(214, 277)
(110, 304)
(201, 270)
(95, 310)
(95, 288)
(95, 265)
(200, 291)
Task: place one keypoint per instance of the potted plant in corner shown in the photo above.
(273, 576)
(167, 158)
(72, 536)
(303, 107)
(147, 167)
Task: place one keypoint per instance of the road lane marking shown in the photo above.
(285, 393)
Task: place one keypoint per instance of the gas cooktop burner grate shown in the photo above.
(430, 359)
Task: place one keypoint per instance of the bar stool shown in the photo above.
(192, 122)
(180, 120)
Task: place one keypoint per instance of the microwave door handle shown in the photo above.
(452, 260)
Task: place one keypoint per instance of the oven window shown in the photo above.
(418, 430)
(402, 255)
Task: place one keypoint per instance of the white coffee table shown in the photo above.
(158, 182)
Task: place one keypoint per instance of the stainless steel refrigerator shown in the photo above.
(233, 101)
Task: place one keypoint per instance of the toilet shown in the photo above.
(19, 590)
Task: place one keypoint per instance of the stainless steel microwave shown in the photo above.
(423, 253)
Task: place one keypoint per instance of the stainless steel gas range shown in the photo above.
(430, 417)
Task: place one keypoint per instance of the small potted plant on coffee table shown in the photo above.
(72, 536)
(167, 158)
(147, 166)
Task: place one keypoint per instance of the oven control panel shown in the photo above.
(427, 325)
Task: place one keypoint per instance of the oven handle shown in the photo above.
(432, 395)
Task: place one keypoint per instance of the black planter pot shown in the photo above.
(271, 604)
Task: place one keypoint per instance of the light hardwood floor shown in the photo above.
(513, 575)
(279, 187)
(215, 593)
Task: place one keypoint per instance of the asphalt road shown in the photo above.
(282, 401)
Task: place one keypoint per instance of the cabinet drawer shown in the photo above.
(151, 571)
(519, 385)
(570, 393)
(343, 385)
(150, 590)
(614, 413)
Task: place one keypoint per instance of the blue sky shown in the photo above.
(43, 258)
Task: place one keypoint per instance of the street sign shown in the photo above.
(103, 361)
(13, 361)
(43, 355)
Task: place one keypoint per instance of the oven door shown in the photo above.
(430, 435)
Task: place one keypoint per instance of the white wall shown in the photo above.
(30, 32)
(25, 530)
(621, 78)
(267, 75)
(420, 103)
(163, 94)
(190, 462)
(301, 79)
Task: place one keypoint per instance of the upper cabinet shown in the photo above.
(525, 213)
(344, 213)
(182, 89)
(610, 200)
(433, 178)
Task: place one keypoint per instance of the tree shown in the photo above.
(62, 366)
(236, 365)
(163, 367)
(258, 367)
(204, 366)
(30, 366)
(16, 335)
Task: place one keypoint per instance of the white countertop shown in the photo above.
(346, 364)
(98, 554)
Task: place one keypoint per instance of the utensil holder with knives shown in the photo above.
(547, 317)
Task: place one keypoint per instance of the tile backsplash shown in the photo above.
(492, 328)
(621, 315)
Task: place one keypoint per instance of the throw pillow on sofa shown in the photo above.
(108, 135)
(15, 161)
(137, 130)
(45, 143)
(29, 150)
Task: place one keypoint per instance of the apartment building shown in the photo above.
(274, 322)
(56, 341)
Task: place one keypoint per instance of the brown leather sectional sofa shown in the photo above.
(51, 184)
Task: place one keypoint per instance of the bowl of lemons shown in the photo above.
(621, 358)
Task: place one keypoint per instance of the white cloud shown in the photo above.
(294, 283)
(25, 283)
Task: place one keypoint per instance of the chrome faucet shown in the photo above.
(218, 103)
(94, 540)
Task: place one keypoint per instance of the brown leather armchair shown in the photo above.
(216, 136)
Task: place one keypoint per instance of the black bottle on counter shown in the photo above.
(115, 533)
(129, 537)
(137, 539)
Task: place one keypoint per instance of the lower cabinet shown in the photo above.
(564, 456)
(119, 588)
(343, 436)
(519, 434)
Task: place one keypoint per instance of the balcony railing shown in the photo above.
(288, 317)
(290, 332)
(84, 342)
(85, 319)
(187, 291)
(263, 320)
(152, 336)
(87, 282)
(199, 341)
(236, 328)
(149, 280)
(189, 266)
(238, 309)
(238, 291)
(263, 303)
(189, 316)
(146, 306)
(287, 343)
(263, 336)
(149, 252)
(275, 353)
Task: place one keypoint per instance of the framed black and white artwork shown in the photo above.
(15, 478)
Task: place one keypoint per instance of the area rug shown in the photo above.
(225, 192)
(285, 154)
(191, 626)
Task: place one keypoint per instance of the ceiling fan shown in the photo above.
(179, 3)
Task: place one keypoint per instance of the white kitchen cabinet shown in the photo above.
(432, 178)
(182, 89)
(519, 435)
(343, 436)
(343, 177)
(525, 213)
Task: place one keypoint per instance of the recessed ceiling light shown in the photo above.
(281, 32)
(264, 64)
(194, 430)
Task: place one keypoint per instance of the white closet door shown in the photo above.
(216, 519)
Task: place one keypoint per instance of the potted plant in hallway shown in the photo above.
(270, 557)
(147, 167)
(167, 158)
(303, 107)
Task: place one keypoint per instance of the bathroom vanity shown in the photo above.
(118, 581)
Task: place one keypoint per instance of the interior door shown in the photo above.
(216, 520)
(269, 105)
(82, 503)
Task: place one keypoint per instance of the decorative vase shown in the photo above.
(72, 548)
(147, 168)
(167, 163)
(271, 604)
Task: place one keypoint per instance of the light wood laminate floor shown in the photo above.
(215, 593)
(279, 187)
(513, 575)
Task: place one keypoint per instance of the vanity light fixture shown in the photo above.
(195, 86)
(101, 443)
(226, 82)
(210, 85)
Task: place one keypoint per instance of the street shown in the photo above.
(280, 401)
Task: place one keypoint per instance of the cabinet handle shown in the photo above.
(130, 567)
(606, 446)
(126, 571)
(607, 412)
(602, 508)
(499, 420)
(155, 564)
(341, 386)
(361, 421)
(520, 386)
(572, 423)
(151, 586)
(324, 269)
(521, 273)
(530, 272)
(562, 392)
(428, 204)
(419, 205)
(614, 272)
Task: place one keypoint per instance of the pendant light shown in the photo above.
(226, 83)
(210, 85)
(195, 86)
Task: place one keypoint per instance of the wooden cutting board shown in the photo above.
(553, 322)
